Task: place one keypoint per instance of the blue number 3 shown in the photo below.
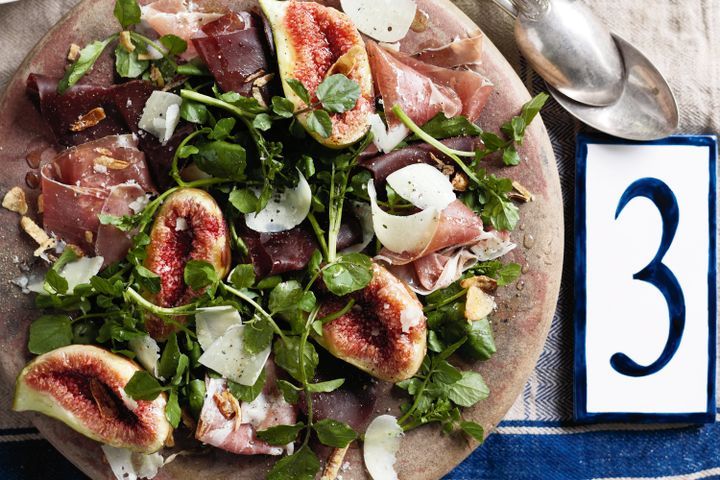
(657, 274)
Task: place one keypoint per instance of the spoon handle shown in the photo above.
(532, 9)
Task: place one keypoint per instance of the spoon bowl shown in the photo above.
(646, 109)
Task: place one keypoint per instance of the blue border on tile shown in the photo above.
(580, 412)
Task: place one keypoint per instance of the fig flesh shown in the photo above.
(83, 387)
(313, 42)
(189, 226)
(383, 334)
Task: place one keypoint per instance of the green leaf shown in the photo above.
(167, 366)
(325, 387)
(469, 390)
(508, 274)
(221, 159)
(50, 332)
(187, 151)
(127, 63)
(502, 214)
(447, 353)
(302, 465)
(242, 276)
(127, 12)
(244, 200)
(480, 343)
(299, 90)
(441, 127)
(193, 112)
(289, 391)
(262, 122)
(473, 429)
(510, 156)
(199, 274)
(172, 409)
(196, 396)
(147, 278)
(338, 93)
(84, 332)
(54, 283)
(333, 433)
(492, 141)
(348, 274)
(282, 434)
(286, 296)
(174, 44)
(287, 356)
(143, 386)
(104, 286)
(248, 393)
(446, 373)
(258, 335)
(532, 108)
(433, 342)
(269, 282)
(182, 366)
(86, 60)
(222, 129)
(319, 122)
(283, 107)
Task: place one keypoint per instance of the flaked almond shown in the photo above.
(460, 182)
(126, 42)
(76, 250)
(263, 80)
(170, 440)
(111, 163)
(45, 246)
(347, 62)
(478, 304)
(15, 201)
(73, 52)
(257, 95)
(229, 406)
(156, 76)
(41, 203)
(254, 76)
(103, 151)
(520, 193)
(90, 119)
(88, 236)
(485, 283)
(32, 229)
(334, 463)
(420, 22)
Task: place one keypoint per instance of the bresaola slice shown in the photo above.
(281, 252)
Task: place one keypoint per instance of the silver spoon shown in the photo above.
(568, 47)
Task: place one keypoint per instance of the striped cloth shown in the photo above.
(537, 440)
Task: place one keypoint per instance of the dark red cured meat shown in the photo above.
(234, 50)
(350, 232)
(159, 157)
(383, 165)
(279, 252)
(112, 243)
(123, 105)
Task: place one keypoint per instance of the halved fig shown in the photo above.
(83, 387)
(189, 226)
(313, 42)
(383, 334)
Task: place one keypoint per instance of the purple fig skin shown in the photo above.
(83, 387)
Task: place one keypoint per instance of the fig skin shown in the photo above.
(385, 332)
(189, 226)
(309, 40)
(82, 386)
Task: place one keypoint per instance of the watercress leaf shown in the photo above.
(480, 343)
(127, 12)
(186, 151)
(283, 107)
(446, 373)
(297, 130)
(510, 156)
(257, 336)
(124, 223)
(221, 159)
(473, 429)
(127, 63)
(325, 387)
(492, 141)
(50, 332)
(338, 93)
(281, 434)
(87, 58)
(244, 200)
(299, 89)
(104, 286)
(315, 261)
(193, 112)
(248, 393)
(469, 390)
(434, 343)
(289, 391)
(199, 274)
(54, 283)
(501, 213)
(168, 364)
(172, 409)
(174, 44)
(508, 274)
(445, 354)
(285, 296)
(222, 129)
(307, 302)
(196, 396)
(307, 166)
(515, 129)
(441, 127)
(143, 386)
(333, 433)
(348, 274)
(287, 356)
(269, 282)
(302, 465)
(532, 108)
(242, 276)
(147, 278)
(182, 366)
(319, 122)
(262, 122)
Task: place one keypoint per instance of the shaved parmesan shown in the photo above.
(382, 442)
(403, 234)
(422, 185)
(81, 271)
(383, 20)
(284, 211)
(213, 322)
(161, 115)
(147, 353)
(227, 356)
(386, 140)
(127, 465)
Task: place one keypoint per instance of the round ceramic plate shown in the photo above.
(520, 323)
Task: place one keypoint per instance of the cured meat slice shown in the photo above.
(237, 433)
(461, 52)
(111, 243)
(233, 49)
(78, 182)
(279, 252)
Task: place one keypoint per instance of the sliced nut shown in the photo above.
(88, 236)
(40, 203)
(478, 304)
(254, 76)
(103, 400)
(14, 201)
(520, 193)
(170, 440)
(347, 62)
(77, 250)
(126, 42)
(103, 151)
(32, 229)
(460, 182)
(334, 463)
(90, 119)
(483, 282)
(156, 76)
(228, 406)
(420, 22)
(45, 246)
(74, 52)
(257, 95)
(263, 80)
(111, 163)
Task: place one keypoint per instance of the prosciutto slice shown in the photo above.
(233, 49)
(80, 183)
(460, 52)
(237, 434)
